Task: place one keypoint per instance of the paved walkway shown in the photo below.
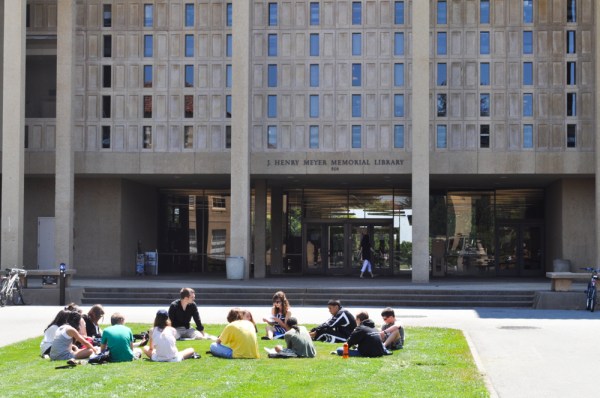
(522, 352)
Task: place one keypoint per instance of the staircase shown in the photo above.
(314, 297)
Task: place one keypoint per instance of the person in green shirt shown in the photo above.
(118, 338)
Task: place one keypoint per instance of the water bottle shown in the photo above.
(345, 351)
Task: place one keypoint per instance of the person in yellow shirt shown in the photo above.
(238, 339)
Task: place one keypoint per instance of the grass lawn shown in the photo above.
(434, 363)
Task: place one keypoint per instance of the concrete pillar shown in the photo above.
(64, 183)
(276, 231)
(420, 139)
(13, 133)
(597, 127)
(240, 134)
(260, 226)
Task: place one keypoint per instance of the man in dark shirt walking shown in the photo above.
(181, 313)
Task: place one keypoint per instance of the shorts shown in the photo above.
(176, 358)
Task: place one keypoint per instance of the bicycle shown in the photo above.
(11, 290)
(591, 294)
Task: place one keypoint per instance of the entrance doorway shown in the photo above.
(332, 247)
(520, 248)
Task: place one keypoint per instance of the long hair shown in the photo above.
(285, 305)
(95, 313)
(60, 319)
(74, 319)
(247, 315)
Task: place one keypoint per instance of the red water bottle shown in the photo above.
(345, 351)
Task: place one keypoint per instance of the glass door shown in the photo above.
(519, 249)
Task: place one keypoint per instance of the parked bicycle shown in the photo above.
(11, 290)
(590, 292)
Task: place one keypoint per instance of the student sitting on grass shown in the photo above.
(298, 341)
(366, 338)
(62, 345)
(118, 338)
(391, 334)
(338, 327)
(94, 315)
(276, 324)
(182, 311)
(161, 346)
(59, 320)
(238, 339)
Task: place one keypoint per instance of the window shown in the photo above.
(272, 45)
(228, 106)
(107, 16)
(105, 137)
(229, 18)
(399, 75)
(528, 136)
(571, 10)
(189, 76)
(356, 136)
(272, 75)
(188, 137)
(356, 13)
(188, 111)
(399, 136)
(398, 105)
(571, 42)
(441, 105)
(356, 43)
(272, 14)
(528, 11)
(189, 45)
(272, 137)
(189, 15)
(106, 76)
(527, 105)
(107, 46)
(398, 43)
(227, 137)
(571, 135)
(441, 139)
(441, 43)
(484, 74)
(571, 104)
(399, 13)
(314, 75)
(356, 75)
(27, 22)
(441, 74)
(527, 42)
(527, 73)
(147, 76)
(484, 43)
(148, 45)
(313, 106)
(313, 137)
(106, 106)
(271, 106)
(571, 74)
(356, 105)
(484, 105)
(442, 12)
(314, 44)
(148, 15)
(314, 13)
(484, 11)
(219, 203)
(228, 76)
(147, 106)
(484, 136)
(229, 45)
(147, 137)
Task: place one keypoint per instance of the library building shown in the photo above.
(457, 136)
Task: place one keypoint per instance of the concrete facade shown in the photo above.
(269, 98)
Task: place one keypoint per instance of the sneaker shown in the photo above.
(195, 356)
(265, 338)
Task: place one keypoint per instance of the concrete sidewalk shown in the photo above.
(522, 352)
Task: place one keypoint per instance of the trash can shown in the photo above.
(234, 267)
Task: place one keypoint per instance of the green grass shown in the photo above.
(434, 363)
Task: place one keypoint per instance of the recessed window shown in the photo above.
(314, 75)
(527, 73)
(571, 135)
(107, 15)
(399, 75)
(484, 74)
(188, 101)
(313, 137)
(107, 46)
(314, 13)
(189, 15)
(441, 105)
(272, 45)
(571, 10)
(484, 43)
(105, 137)
(313, 106)
(229, 45)
(441, 74)
(147, 76)
(528, 136)
(399, 136)
(356, 136)
(356, 13)
(442, 12)
(356, 105)
(229, 17)
(228, 76)
(528, 11)
(398, 43)
(272, 14)
(189, 76)
(314, 44)
(398, 105)
(356, 44)
(147, 106)
(228, 106)
(484, 105)
(527, 105)
(106, 76)
(484, 136)
(189, 45)
(441, 136)
(571, 42)
(441, 43)
(484, 11)
(147, 137)
(272, 75)
(271, 137)
(356, 75)
(399, 13)
(148, 45)
(571, 74)
(227, 137)
(527, 42)
(148, 15)
(271, 106)
(188, 137)
(106, 104)
(571, 104)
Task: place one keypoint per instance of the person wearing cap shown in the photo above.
(337, 328)
(162, 343)
(182, 311)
